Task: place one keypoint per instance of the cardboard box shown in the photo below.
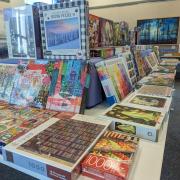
(112, 157)
(157, 81)
(56, 148)
(7, 72)
(144, 123)
(153, 90)
(23, 42)
(64, 30)
(155, 102)
(94, 31)
(16, 121)
(106, 33)
(103, 52)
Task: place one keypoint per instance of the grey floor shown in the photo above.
(171, 163)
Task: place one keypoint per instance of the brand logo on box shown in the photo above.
(58, 174)
(36, 166)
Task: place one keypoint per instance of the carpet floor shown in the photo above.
(171, 162)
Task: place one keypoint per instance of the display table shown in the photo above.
(171, 57)
(148, 162)
(149, 158)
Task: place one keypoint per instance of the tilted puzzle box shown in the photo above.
(7, 74)
(27, 84)
(67, 89)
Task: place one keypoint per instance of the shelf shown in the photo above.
(108, 47)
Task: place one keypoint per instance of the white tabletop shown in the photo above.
(147, 165)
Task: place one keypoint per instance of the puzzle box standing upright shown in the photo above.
(64, 29)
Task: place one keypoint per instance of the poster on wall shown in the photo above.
(158, 31)
(64, 32)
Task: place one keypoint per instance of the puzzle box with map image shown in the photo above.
(67, 87)
(141, 101)
(165, 69)
(160, 81)
(153, 90)
(147, 123)
(64, 29)
(163, 75)
(56, 147)
(112, 157)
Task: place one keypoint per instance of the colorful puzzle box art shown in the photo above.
(7, 72)
(64, 30)
(57, 146)
(94, 31)
(142, 122)
(112, 157)
(67, 86)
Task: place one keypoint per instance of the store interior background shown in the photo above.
(129, 13)
(137, 9)
(132, 13)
